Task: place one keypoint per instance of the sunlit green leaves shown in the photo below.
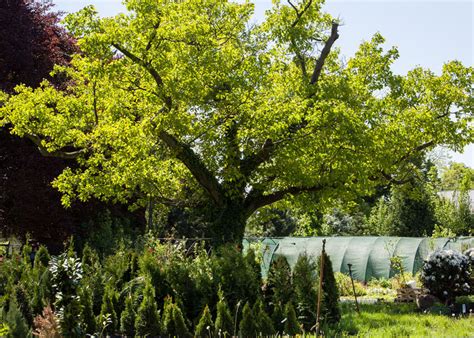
(200, 71)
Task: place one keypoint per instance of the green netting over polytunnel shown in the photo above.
(369, 256)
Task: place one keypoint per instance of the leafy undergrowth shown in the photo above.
(398, 320)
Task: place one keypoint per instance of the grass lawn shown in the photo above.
(399, 320)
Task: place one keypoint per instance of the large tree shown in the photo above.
(187, 98)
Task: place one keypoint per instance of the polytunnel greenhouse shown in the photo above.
(369, 256)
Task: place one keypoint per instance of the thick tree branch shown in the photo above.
(415, 150)
(148, 67)
(94, 102)
(67, 155)
(191, 160)
(301, 59)
(394, 180)
(324, 53)
(257, 200)
(143, 63)
(250, 163)
(391, 178)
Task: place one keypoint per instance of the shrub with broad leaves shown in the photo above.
(446, 274)
(66, 274)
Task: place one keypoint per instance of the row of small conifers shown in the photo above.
(161, 290)
(172, 290)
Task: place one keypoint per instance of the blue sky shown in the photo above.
(427, 32)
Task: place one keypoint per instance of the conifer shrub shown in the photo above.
(279, 289)
(90, 260)
(46, 287)
(251, 260)
(205, 327)
(264, 322)
(202, 281)
(181, 286)
(180, 323)
(152, 269)
(132, 267)
(115, 267)
(26, 251)
(304, 283)
(167, 318)
(329, 311)
(94, 278)
(37, 303)
(248, 326)
(127, 319)
(108, 310)
(23, 302)
(147, 320)
(87, 313)
(278, 317)
(17, 324)
(292, 326)
(224, 324)
(174, 324)
(42, 257)
(236, 276)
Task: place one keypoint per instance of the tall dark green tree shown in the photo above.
(264, 322)
(87, 311)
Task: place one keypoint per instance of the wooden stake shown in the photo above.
(353, 288)
(321, 275)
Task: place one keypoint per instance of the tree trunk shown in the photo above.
(229, 224)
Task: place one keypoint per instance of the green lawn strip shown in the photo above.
(400, 320)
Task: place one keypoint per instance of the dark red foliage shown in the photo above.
(31, 43)
(27, 201)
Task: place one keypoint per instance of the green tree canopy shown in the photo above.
(184, 98)
(457, 176)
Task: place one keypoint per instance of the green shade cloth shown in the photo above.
(369, 256)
